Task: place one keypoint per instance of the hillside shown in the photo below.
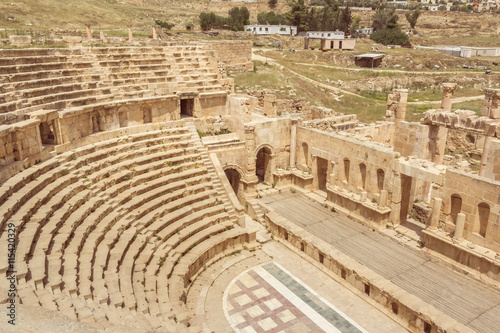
(112, 14)
(21, 16)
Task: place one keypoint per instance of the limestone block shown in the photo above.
(20, 40)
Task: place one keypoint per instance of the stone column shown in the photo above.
(129, 33)
(396, 105)
(436, 211)
(333, 174)
(437, 142)
(491, 106)
(314, 172)
(155, 33)
(403, 100)
(101, 35)
(484, 155)
(293, 143)
(270, 105)
(448, 90)
(306, 43)
(89, 31)
(383, 199)
(459, 226)
(250, 178)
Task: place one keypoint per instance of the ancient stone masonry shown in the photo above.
(487, 125)
(101, 89)
(235, 56)
(128, 171)
(396, 105)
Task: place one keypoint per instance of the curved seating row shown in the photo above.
(31, 80)
(113, 232)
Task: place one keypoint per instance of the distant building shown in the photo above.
(464, 51)
(365, 31)
(326, 34)
(488, 5)
(259, 29)
(368, 60)
(397, 3)
(330, 40)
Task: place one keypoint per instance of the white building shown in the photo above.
(365, 31)
(397, 3)
(259, 29)
(326, 34)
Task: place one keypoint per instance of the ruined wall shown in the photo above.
(213, 104)
(331, 124)
(19, 141)
(474, 196)
(412, 139)
(274, 133)
(339, 149)
(381, 131)
(76, 124)
(240, 110)
(492, 169)
(234, 55)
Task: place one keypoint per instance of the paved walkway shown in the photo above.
(468, 301)
(274, 290)
(268, 298)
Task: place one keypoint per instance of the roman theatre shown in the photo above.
(143, 194)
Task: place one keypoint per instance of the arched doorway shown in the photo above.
(305, 154)
(483, 214)
(263, 165)
(233, 176)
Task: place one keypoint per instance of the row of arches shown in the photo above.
(481, 218)
(363, 173)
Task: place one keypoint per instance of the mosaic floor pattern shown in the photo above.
(269, 299)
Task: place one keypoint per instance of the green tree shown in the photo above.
(272, 3)
(345, 19)
(386, 28)
(238, 17)
(380, 18)
(388, 36)
(209, 20)
(298, 15)
(164, 25)
(356, 20)
(412, 17)
(270, 18)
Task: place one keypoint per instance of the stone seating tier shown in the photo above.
(102, 228)
(31, 80)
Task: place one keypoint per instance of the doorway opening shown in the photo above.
(405, 197)
(187, 107)
(47, 134)
(263, 165)
(233, 176)
(322, 173)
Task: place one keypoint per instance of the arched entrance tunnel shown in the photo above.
(234, 179)
(263, 165)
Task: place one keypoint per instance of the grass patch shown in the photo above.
(475, 105)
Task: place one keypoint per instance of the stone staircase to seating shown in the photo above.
(47, 79)
(115, 232)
